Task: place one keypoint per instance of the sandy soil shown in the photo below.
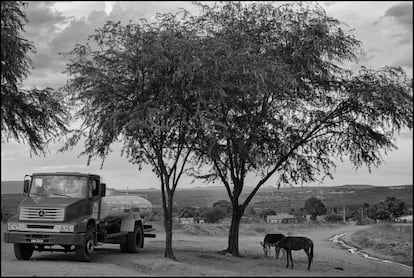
(197, 256)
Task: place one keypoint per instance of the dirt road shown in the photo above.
(198, 256)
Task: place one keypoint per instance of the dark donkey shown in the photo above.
(290, 243)
(271, 240)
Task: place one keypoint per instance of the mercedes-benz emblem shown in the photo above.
(41, 213)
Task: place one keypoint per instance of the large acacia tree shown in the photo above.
(134, 84)
(278, 101)
(33, 116)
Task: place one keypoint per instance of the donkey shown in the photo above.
(290, 243)
(271, 240)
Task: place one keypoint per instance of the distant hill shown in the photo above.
(282, 199)
(356, 186)
(11, 187)
(287, 197)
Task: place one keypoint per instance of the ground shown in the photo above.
(197, 256)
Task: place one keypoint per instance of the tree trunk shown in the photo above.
(168, 225)
(233, 242)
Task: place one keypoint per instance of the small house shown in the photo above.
(186, 220)
(405, 219)
(280, 218)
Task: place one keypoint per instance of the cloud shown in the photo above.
(77, 31)
(402, 13)
(328, 3)
(56, 27)
(40, 15)
(405, 61)
(78, 9)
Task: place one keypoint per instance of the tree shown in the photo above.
(34, 116)
(188, 212)
(396, 206)
(135, 87)
(388, 209)
(214, 214)
(277, 102)
(224, 204)
(315, 207)
(379, 211)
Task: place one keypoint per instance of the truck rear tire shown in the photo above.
(23, 251)
(84, 252)
(133, 241)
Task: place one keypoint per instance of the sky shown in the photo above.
(384, 28)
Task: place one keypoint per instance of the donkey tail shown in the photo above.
(311, 249)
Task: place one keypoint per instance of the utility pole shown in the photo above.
(343, 210)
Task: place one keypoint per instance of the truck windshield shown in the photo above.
(59, 186)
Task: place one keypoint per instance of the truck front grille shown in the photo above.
(41, 214)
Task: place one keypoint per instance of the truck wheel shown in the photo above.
(134, 241)
(23, 251)
(84, 252)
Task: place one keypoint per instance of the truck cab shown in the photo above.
(66, 209)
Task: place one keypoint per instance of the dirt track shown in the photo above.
(198, 257)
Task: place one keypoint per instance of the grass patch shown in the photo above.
(9, 204)
(257, 229)
(389, 241)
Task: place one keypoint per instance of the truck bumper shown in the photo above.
(44, 238)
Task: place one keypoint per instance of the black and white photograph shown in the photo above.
(210, 138)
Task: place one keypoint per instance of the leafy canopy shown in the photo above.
(278, 100)
(34, 115)
(315, 207)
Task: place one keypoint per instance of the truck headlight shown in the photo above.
(12, 226)
(67, 228)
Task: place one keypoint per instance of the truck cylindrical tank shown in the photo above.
(121, 205)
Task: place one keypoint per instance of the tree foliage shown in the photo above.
(277, 101)
(388, 209)
(315, 207)
(34, 116)
(188, 212)
(224, 204)
(133, 84)
(214, 214)
(247, 88)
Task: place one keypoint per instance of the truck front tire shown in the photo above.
(23, 251)
(133, 241)
(84, 252)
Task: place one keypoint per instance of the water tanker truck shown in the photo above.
(70, 212)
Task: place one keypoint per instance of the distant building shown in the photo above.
(186, 220)
(280, 218)
(226, 220)
(320, 218)
(405, 219)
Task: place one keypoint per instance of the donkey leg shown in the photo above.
(291, 259)
(287, 258)
(309, 257)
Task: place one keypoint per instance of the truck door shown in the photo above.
(94, 196)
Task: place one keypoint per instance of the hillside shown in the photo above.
(287, 197)
(282, 200)
(11, 187)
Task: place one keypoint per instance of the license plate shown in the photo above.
(36, 240)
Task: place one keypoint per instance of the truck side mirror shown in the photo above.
(103, 189)
(26, 186)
